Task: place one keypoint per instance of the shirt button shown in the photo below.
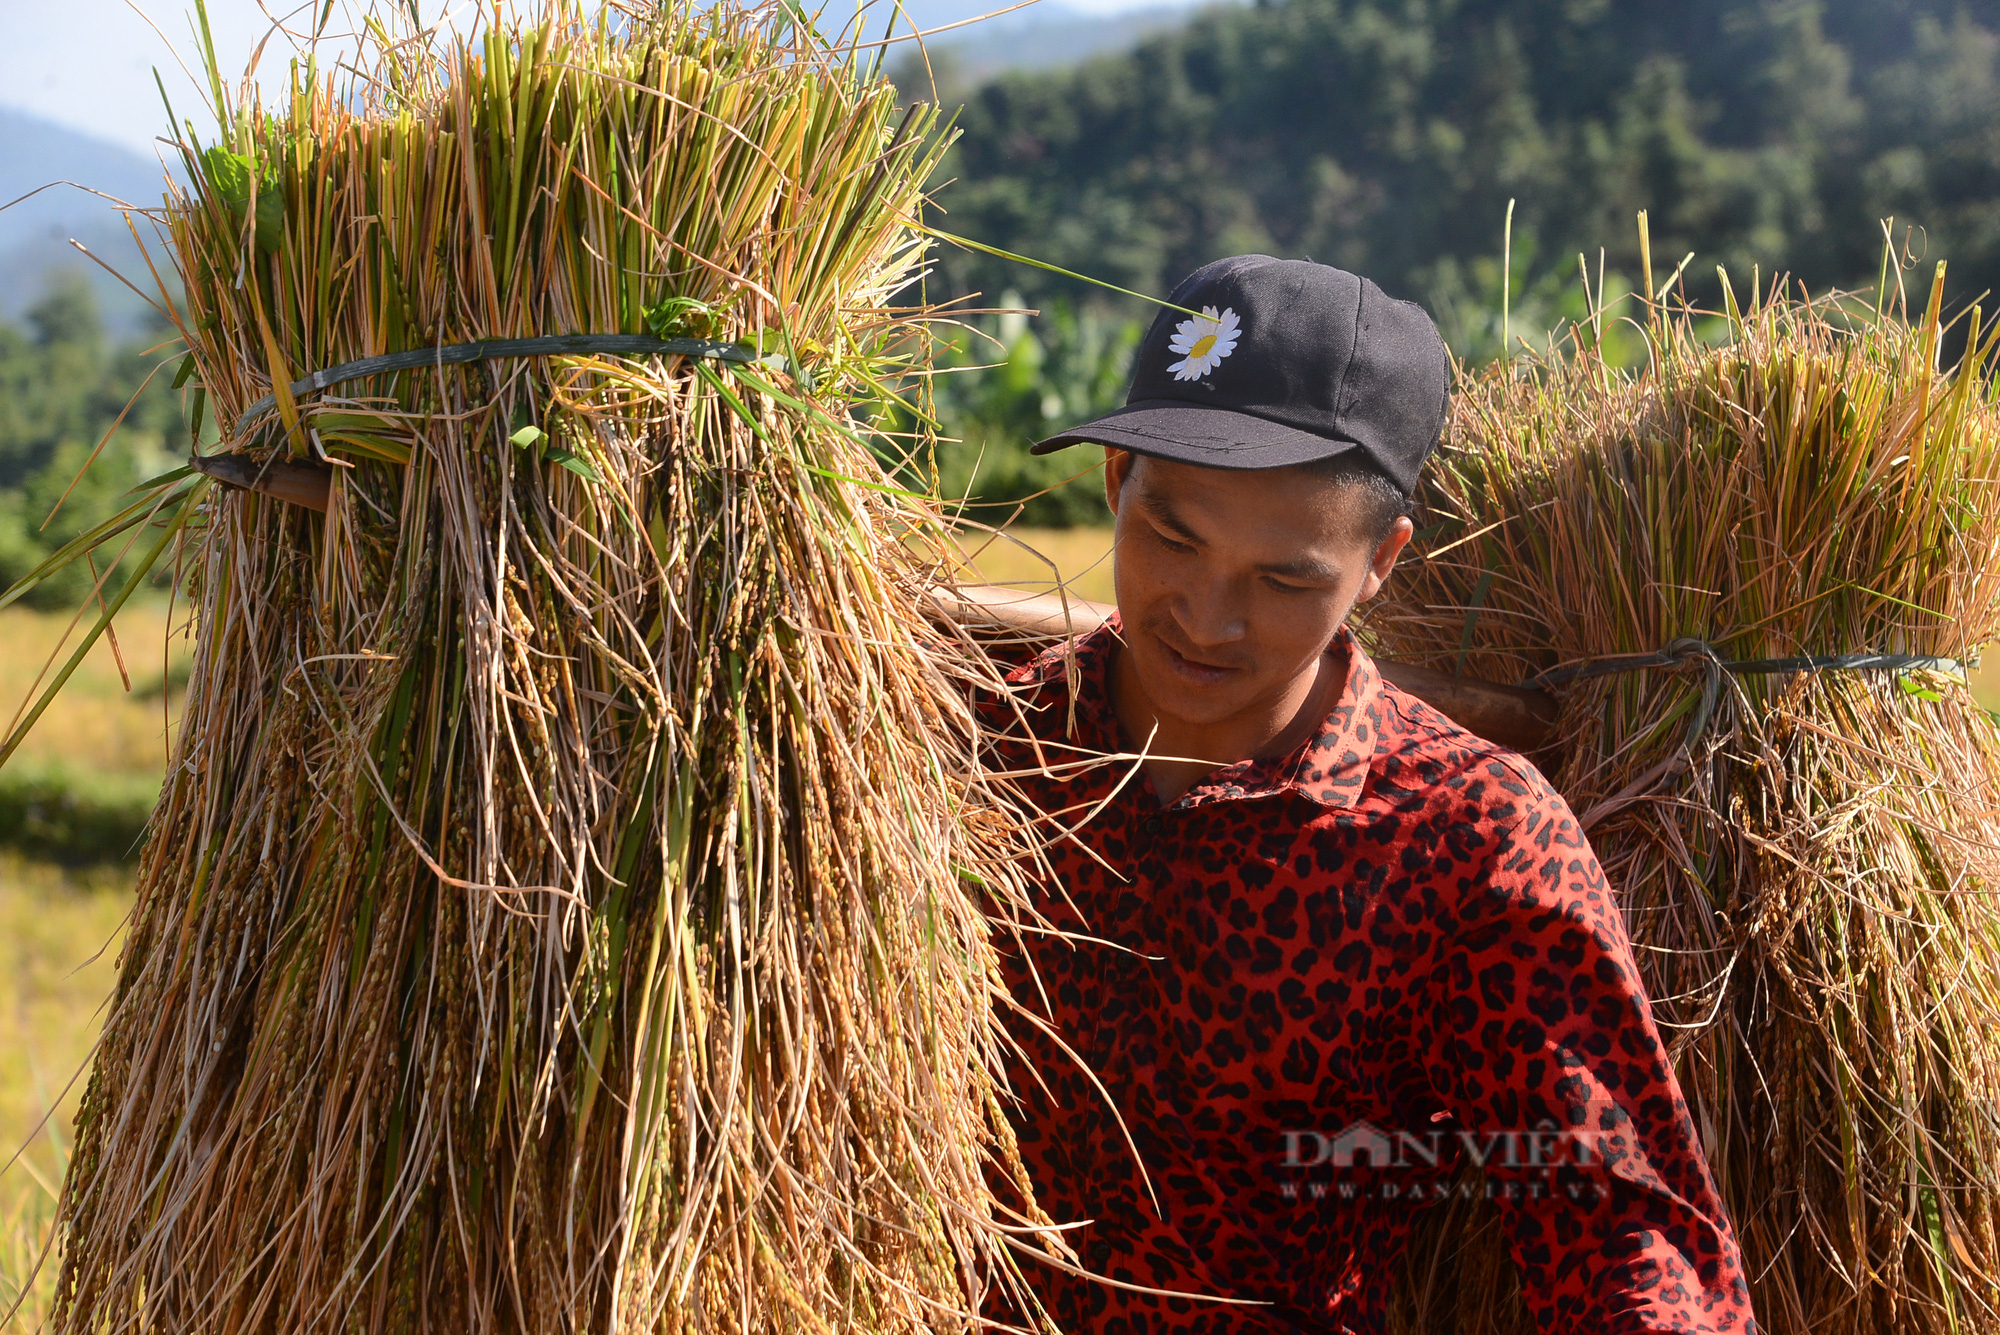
(1100, 1252)
(1152, 825)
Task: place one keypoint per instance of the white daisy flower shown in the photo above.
(1203, 342)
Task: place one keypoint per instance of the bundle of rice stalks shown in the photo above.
(569, 904)
(1805, 840)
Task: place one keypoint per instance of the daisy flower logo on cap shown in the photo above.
(1203, 342)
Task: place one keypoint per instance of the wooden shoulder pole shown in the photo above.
(1515, 717)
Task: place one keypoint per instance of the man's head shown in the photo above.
(1260, 471)
(1231, 582)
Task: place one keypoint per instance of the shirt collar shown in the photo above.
(1329, 768)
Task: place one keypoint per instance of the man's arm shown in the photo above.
(1515, 718)
(1544, 1048)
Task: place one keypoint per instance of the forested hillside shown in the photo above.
(1388, 135)
(63, 387)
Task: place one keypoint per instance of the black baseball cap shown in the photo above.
(1289, 362)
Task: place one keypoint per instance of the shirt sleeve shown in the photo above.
(1545, 1051)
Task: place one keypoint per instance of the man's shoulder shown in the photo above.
(1044, 676)
(1500, 844)
(1423, 750)
(1414, 731)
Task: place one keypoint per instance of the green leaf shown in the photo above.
(529, 437)
(796, 13)
(1000, 254)
(161, 480)
(1912, 687)
(270, 216)
(186, 370)
(575, 463)
(230, 176)
(681, 317)
(182, 512)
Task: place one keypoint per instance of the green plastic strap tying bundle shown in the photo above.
(494, 349)
(1683, 651)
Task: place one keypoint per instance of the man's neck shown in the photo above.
(1189, 751)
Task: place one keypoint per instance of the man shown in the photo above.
(1321, 946)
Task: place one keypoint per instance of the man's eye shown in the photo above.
(1171, 545)
(1283, 587)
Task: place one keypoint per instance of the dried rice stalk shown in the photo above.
(569, 904)
(1811, 879)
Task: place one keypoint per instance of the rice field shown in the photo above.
(97, 724)
(59, 937)
(1035, 558)
(59, 929)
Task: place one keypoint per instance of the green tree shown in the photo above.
(1388, 135)
(61, 392)
(1007, 381)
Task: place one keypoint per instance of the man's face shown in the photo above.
(1232, 582)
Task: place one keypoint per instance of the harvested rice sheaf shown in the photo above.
(570, 903)
(1808, 861)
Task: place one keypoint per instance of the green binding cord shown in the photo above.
(493, 349)
(1686, 651)
(1692, 650)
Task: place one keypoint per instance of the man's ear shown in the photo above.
(1384, 559)
(1117, 467)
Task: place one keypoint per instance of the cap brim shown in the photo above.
(1190, 433)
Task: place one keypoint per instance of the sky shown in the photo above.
(88, 64)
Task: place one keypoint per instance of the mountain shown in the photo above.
(1388, 136)
(1046, 35)
(1036, 39)
(35, 232)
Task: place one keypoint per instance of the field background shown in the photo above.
(1036, 558)
(60, 926)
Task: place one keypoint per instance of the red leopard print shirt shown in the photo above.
(1323, 982)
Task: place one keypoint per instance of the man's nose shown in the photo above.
(1211, 612)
